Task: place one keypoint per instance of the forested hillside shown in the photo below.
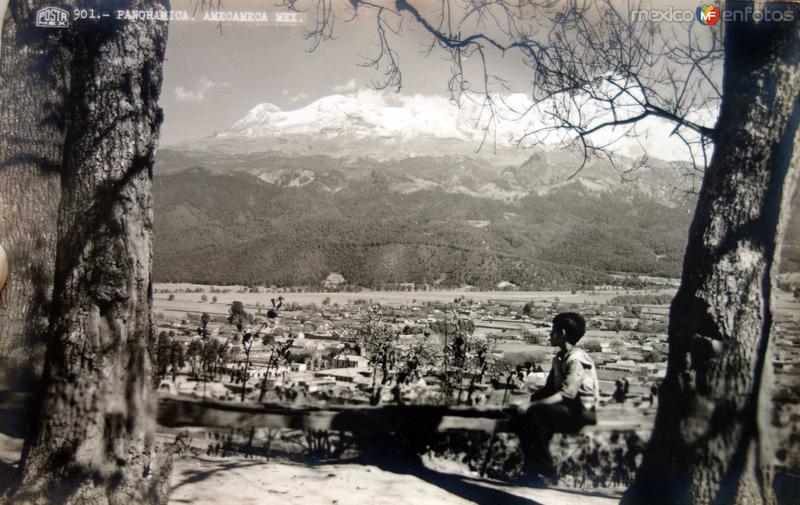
(237, 228)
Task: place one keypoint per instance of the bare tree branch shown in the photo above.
(594, 66)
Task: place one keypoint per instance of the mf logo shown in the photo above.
(708, 14)
(52, 17)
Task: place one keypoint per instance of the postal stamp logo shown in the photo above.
(52, 17)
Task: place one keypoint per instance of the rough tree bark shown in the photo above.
(711, 441)
(32, 80)
(94, 439)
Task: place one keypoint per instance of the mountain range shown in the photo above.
(383, 125)
(392, 191)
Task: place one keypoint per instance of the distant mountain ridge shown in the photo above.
(541, 172)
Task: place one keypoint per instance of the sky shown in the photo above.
(214, 77)
(214, 73)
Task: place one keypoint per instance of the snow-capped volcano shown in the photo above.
(385, 125)
(374, 115)
(418, 143)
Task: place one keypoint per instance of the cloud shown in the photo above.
(350, 85)
(298, 97)
(294, 98)
(198, 94)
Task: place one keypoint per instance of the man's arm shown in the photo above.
(569, 388)
(556, 397)
(547, 390)
(546, 395)
(548, 400)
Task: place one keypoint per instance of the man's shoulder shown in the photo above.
(580, 354)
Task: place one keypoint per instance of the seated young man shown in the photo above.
(565, 404)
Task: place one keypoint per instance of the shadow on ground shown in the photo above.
(465, 487)
(201, 475)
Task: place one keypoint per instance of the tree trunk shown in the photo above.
(246, 365)
(711, 440)
(32, 66)
(266, 376)
(94, 441)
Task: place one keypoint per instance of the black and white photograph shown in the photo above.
(399, 252)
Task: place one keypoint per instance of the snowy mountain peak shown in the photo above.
(360, 115)
(385, 125)
(260, 112)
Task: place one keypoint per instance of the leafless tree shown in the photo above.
(596, 68)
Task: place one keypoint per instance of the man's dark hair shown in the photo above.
(573, 325)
